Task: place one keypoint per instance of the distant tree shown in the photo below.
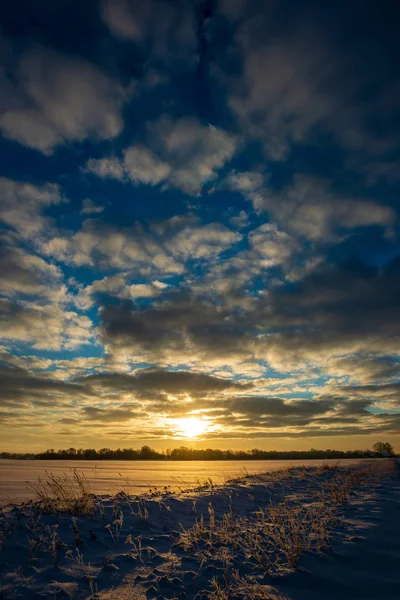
(146, 452)
(384, 448)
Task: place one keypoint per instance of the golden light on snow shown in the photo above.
(190, 427)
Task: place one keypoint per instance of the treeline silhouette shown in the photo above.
(183, 453)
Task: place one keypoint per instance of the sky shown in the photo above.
(199, 224)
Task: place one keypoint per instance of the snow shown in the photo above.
(197, 543)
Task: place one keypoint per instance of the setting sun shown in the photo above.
(191, 427)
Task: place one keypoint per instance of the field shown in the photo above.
(278, 535)
(104, 477)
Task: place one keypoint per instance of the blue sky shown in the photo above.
(199, 220)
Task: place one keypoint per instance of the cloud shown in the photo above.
(302, 78)
(182, 153)
(19, 387)
(197, 241)
(44, 327)
(310, 208)
(388, 393)
(117, 285)
(167, 28)
(334, 310)
(272, 308)
(331, 310)
(110, 247)
(282, 93)
(134, 398)
(178, 327)
(106, 168)
(114, 415)
(154, 251)
(58, 99)
(275, 247)
(195, 151)
(365, 368)
(122, 21)
(90, 208)
(148, 381)
(142, 166)
(23, 204)
(245, 182)
(26, 274)
(241, 220)
(139, 165)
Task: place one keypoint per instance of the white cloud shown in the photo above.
(310, 208)
(117, 285)
(90, 208)
(245, 181)
(161, 249)
(202, 242)
(241, 220)
(58, 100)
(109, 247)
(183, 154)
(274, 247)
(106, 168)
(143, 166)
(22, 205)
(196, 152)
(24, 273)
(46, 327)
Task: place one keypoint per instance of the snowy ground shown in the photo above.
(304, 533)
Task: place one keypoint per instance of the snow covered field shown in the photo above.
(105, 477)
(303, 533)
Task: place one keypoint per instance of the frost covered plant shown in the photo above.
(33, 547)
(211, 527)
(87, 572)
(118, 522)
(138, 547)
(190, 538)
(68, 589)
(274, 539)
(36, 540)
(141, 511)
(53, 543)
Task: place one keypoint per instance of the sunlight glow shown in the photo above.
(191, 427)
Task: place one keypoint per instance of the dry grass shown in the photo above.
(66, 493)
(276, 537)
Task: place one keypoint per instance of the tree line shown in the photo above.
(183, 453)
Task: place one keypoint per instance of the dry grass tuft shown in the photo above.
(66, 493)
(276, 537)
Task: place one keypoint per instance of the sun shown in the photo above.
(191, 427)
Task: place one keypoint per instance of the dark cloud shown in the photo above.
(278, 407)
(108, 415)
(388, 392)
(303, 74)
(310, 208)
(342, 308)
(163, 382)
(20, 388)
(165, 29)
(365, 368)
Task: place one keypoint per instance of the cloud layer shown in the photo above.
(199, 218)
